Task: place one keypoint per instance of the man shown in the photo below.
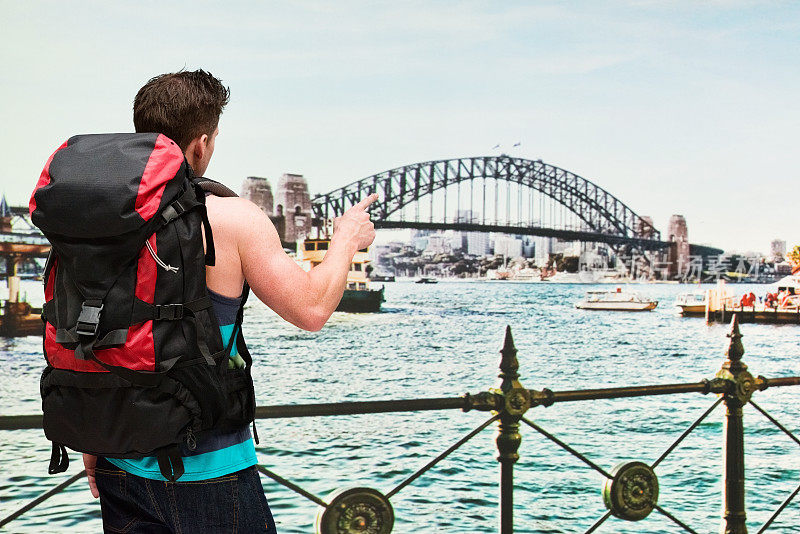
(221, 490)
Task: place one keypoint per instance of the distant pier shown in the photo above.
(18, 317)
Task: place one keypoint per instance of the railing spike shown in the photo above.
(508, 342)
(508, 362)
(735, 349)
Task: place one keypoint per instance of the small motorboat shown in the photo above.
(426, 280)
(618, 300)
(692, 304)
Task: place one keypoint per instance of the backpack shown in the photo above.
(135, 360)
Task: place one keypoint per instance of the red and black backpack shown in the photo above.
(135, 360)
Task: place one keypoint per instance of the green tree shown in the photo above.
(794, 257)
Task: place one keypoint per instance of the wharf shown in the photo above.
(18, 317)
(750, 314)
(720, 305)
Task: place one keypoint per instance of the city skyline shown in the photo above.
(674, 107)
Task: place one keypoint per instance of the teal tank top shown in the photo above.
(217, 453)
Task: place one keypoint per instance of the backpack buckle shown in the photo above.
(169, 312)
(88, 320)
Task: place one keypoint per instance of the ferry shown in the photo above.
(616, 301)
(357, 297)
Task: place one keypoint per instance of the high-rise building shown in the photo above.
(777, 248)
(473, 243)
(528, 247)
(543, 248)
(438, 244)
(508, 246)
(477, 243)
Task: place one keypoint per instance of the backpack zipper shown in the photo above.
(191, 442)
(159, 261)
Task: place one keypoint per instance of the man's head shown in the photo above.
(185, 106)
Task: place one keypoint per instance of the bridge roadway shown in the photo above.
(567, 235)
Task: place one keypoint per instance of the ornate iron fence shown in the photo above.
(630, 491)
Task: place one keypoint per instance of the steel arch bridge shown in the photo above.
(540, 200)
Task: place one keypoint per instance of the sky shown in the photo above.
(675, 107)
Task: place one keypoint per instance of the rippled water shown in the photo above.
(442, 341)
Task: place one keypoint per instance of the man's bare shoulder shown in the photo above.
(238, 220)
(233, 211)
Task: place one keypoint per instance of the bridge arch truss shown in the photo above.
(597, 214)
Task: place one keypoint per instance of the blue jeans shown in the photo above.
(230, 503)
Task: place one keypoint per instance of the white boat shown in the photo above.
(526, 275)
(498, 274)
(618, 300)
(605, 276)
(693, 303)
(569, 278)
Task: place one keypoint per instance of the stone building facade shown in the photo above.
(293, 202)
(258, 191)
(678, 254)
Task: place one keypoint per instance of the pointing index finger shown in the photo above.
(364, 204)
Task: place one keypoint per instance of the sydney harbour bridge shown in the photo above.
(498, 194)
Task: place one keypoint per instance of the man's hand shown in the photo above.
(355, 223)
(89, 463)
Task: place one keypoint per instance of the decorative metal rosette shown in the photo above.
(356, 511)
(632, 493)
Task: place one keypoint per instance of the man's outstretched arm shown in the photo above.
(305, 299)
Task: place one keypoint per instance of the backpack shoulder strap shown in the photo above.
(207, 185)
(215, 188)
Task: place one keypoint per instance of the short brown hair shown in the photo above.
(181, 105)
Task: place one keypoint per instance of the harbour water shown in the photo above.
(442, 340)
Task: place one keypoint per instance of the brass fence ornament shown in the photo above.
(356, 511)
(741, 383)
(632, 493)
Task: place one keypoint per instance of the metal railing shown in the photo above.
(631, 489)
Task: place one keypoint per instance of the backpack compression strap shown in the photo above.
(192, 199)
(170, 462)
(244, 352)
